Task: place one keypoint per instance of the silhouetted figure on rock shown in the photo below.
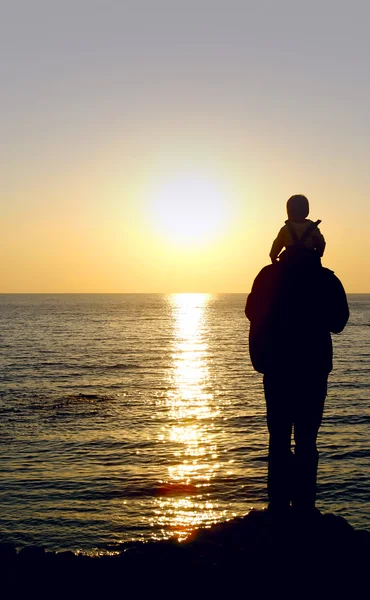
(293, 308)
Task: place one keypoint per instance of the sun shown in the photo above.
(189, 209)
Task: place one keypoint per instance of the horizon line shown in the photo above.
(132, 293)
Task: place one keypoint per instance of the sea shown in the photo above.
(128, 417)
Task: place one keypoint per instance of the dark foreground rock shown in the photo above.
(269, 553)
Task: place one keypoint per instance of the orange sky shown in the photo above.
(154, 150)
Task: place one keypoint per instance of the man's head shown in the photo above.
(297, 207)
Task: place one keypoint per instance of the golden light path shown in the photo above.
(184, 505)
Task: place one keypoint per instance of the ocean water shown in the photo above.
(137, 417)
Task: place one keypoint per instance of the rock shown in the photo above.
(32, 553)
(7, 552)
(66, 555)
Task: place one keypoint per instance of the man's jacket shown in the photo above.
(292, 312)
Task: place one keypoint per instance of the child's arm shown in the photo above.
(277, 245)
(319, 241)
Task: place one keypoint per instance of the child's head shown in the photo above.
(297, 207)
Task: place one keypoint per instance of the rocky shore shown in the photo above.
(261, 551)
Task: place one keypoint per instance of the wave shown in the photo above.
(361, 453)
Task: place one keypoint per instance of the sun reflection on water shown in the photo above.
(184, 502)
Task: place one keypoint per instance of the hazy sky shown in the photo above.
(150, 146)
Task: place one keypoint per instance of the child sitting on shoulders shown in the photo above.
(300, 236)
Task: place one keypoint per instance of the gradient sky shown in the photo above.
(116, 116)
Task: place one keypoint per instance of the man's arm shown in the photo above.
(262, 293)
(254, 297)
(337, 305)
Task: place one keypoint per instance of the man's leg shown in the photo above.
(279, 423)
(308, 413)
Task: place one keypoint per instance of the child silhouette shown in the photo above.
(300, 236)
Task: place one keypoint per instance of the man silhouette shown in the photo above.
(292, 312)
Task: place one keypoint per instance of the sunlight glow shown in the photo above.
(190, 209)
